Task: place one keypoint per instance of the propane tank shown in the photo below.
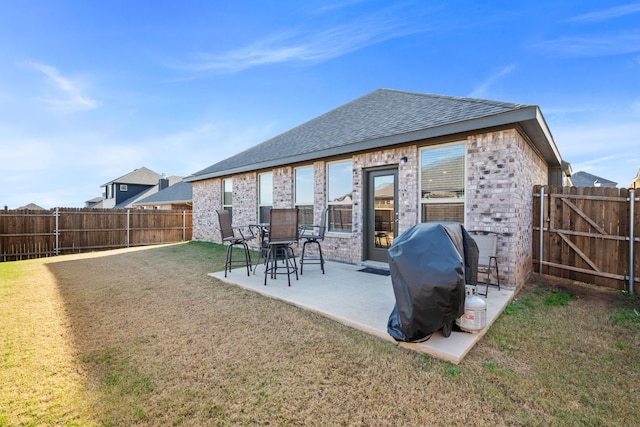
(474, 318)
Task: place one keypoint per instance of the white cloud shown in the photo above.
(20, 155)
(596, 137)
(601, 146)
(332, 7)
(210, 142)
(603, 15)
(619, 167)
(68, 92)
(65, 169)
(482, 89)
(593, 45)
(304, 45)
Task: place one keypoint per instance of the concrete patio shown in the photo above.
(363, 301)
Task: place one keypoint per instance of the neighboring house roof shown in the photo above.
(141, 176)
(385, 191)
(430, 181)
(96, 202)
(585, 179)
(32, 207)
(174, 194)
(135, 200)
(174, 179)
(384, 118)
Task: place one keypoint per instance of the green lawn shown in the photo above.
(145, 337)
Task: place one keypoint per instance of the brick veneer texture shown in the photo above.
(501, 170)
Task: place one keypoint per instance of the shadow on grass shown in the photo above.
(119, 305)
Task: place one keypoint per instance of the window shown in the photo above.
(227, 194)
(265, 196)
(339, 191)
(304, 194)
(123, 187)
(442, 186)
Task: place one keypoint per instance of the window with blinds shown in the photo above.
(442, 183)
(227, 196)
(265, 196)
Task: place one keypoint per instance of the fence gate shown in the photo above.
(587, 234)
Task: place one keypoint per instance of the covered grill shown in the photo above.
(430, 264)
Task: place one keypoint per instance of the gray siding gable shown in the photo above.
(381, 118)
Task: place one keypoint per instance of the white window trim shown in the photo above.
(224, 205)
(311, 203)
(260, 205)
(441, 201)
(295, 182)
(330, 203)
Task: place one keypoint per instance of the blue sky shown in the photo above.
(90, 90)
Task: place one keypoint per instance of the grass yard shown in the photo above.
(145, 337)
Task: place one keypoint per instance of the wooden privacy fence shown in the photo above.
(28, 234)
(587, 234)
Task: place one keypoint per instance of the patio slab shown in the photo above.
(363, 301)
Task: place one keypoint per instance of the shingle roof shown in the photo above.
(141, 175)
(32, 207)
(176, 193)
(585, 179)
(381, 118)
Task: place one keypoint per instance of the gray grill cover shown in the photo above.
(430, 264)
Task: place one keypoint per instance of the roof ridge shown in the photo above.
(379, 117)
(143, 170)
(457, 98)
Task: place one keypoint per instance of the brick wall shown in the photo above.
(283, 188)
(501, 172)
(207, 199)
(245, 198)
(501, 169)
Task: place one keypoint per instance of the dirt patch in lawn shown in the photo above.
(593, 295)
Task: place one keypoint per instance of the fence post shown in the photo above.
(128, 226)
(541, 243)
(57, 231)
(184, 225)
(632, 202)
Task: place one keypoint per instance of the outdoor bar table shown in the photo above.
(263, 232)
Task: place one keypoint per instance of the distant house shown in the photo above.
(636, 181)
(32, 207)
(585, 179)
(417, 157)
(176, 196)
(96, 202)
(124, 191)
